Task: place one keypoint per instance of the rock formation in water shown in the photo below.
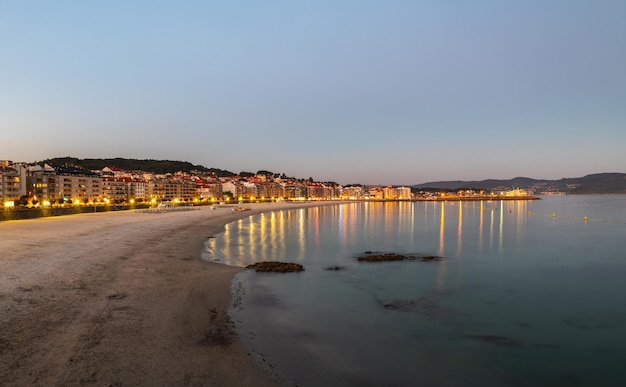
(382, 257)
(276, 267)
(335, 268)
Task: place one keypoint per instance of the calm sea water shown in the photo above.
(522, 297)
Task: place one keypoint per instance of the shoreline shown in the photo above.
(122, 298)
(10, 214)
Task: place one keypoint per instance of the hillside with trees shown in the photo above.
(150, 165)
(599, 183)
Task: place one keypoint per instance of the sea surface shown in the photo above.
(527, 293)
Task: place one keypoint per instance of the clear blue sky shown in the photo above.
(374, 92)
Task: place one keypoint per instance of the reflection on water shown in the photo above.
(520, 298)
(442, 230)
(265, 236)
(398, 224)
(459, 243)
(480, 226)
(269, 236)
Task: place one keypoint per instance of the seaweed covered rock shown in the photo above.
(379, 257)
(430, 258)
(276, 267)
(382, 257)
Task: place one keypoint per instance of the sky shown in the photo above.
(386, 92)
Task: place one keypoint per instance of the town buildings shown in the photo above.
(35, 185)
(77, 185)
(10, 180)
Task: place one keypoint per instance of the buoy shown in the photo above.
(553, 215)
(585, 219)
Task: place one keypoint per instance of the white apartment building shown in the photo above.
(397, 193)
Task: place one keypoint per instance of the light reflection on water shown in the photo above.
(521, 297)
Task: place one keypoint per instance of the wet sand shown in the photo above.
(120, 298)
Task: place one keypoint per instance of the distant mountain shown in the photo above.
(599, 183)
(154, 166)
(518, 182)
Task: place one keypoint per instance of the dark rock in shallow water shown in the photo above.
(276, 267)
(382, 257)
(335, 268)
(430, 258)
(498, 340)
(421, 305)
(399, 304)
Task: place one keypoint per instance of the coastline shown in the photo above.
(8, 214)
(121, 298)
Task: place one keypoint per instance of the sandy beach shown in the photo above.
(122, 298)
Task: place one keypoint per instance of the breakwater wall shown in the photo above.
(481, 198)
(452, 198)
(41, 212)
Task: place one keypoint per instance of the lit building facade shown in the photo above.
(167, 189)
(116, 189)
(41, 182)
(210, 190)
(75, 184)
(9, 185)
(296, 191)
(397, 193)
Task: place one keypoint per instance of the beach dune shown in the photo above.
(120, 298)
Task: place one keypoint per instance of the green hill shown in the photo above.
(155, 166)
